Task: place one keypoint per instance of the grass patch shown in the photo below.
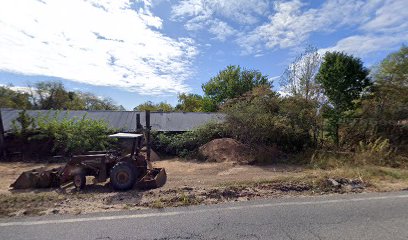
(158, 203)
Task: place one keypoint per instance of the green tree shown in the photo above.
(189, 102)
(233, 82)
(162, 106)
(388, 103)
(394, 69)
(343, 78)
(10, 98)
(299, 82)
(53, 95)
(92, 102)
(195, 103)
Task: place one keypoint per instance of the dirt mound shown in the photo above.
(226, 150)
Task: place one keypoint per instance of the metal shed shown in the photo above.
(124, 120)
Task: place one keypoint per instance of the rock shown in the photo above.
(333, 182)
(357, 186)
(347, 188)
(343, 181)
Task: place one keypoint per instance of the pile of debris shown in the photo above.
(345, 185)
(226, 150)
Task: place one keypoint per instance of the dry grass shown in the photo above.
(28, 203)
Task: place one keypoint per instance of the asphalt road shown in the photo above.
(359, 216)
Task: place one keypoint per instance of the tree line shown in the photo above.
(327, 101)
(229, 83)
(53, 95)
(328, 104)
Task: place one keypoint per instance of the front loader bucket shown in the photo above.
(154, 178)
(37, 178)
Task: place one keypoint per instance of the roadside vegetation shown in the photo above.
(345, 126)
(53, 95)
(57, 135)
(330, 111)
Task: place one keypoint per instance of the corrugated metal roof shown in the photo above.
(125, 120)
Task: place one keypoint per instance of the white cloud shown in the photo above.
(213, 14)
(361, 45)
(376, 24)
(96, 42)
(391, 17)
(292, 23)
(386, 30)
(221, 30)
(240, 11)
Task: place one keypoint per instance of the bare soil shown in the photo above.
(226, 150)
(200, 174)
(192, 182)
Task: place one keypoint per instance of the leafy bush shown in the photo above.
(263, 118)
(66, 136)
(23, 125)
(185, 144)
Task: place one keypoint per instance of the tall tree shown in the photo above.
(53, 95)
(299, 82)
(389, 101)
(10, 98)
(299, 78)
(233, 82)
(343, 78)
(391, 78)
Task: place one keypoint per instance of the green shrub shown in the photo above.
(187, 143)
(23, 126)
(266, 119)
(66, 136)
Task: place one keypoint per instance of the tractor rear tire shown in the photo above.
(79, 180)
(123, 176)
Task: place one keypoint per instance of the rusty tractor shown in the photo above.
(124, 169)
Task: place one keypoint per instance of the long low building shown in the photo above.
(124, 120)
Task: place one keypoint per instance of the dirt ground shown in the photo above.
(201, 174)
(189, 183)
(180, 173)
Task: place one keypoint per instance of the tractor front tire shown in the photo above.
(123, 176)
(79, 180)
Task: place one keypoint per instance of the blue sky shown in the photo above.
(134, 51)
